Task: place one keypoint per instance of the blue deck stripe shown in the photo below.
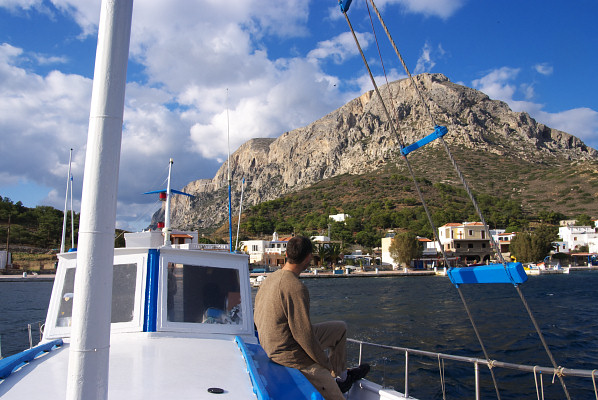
(274, 381)
(9, 364)
(151, 291)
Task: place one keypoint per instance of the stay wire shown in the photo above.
(390, 94)
(474, 202)
(420, 194)
(420, 94)
(399, 138)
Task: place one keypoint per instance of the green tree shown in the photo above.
(533, 246)
(322, 253)
(404, 248)
(334, 252)
(583, 220)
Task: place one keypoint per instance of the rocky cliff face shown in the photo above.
(358, 138)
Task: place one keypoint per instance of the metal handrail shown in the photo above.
(562, 371)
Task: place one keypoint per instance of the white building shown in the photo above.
(259, 250)
(339, 217)
(577, 236)
(386, 258)
(320, 239)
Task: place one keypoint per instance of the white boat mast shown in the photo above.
(90, 331)
(66, 197)
(167, 230)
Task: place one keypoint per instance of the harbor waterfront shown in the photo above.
(422, 312)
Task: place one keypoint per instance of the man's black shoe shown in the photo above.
(353, 375)
(359, 372)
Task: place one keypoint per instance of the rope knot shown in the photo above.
(558, 371)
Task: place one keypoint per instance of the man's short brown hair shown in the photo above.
(298, 249)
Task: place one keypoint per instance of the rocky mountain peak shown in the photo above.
(358, 138)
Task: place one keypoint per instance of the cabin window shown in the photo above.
(199, 294)
(124, 280)
(65, 308)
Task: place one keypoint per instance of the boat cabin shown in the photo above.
(164, 290)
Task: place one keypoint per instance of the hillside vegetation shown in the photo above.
(387, 199)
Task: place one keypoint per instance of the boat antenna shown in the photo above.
(240, 210)
(230, 215)
(66, 197)
(167, 230)
(72, 216)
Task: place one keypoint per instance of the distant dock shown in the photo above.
(368, 274)
(29, 278)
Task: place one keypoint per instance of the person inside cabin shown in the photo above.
(289, 338)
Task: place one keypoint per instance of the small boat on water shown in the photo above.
(256, 281)
(544, 268)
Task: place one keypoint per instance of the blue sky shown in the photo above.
(283, 65)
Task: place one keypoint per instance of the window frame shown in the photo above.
(238, 262)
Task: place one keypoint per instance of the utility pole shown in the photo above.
(7, 240)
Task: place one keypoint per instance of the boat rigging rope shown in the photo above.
(424, 204)
(442, 381)
(463, 181)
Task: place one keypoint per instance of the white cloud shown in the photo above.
(581, 122)
(42, 118)
(431, 8)
(496, 83)
(341, 47)
(49, 60)
(544, 69)
(190, 53)
(428, 57)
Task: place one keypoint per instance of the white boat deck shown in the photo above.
(179, 368)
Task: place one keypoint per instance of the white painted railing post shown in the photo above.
(476, 368)
(406, 374)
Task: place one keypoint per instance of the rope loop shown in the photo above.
(594, 382)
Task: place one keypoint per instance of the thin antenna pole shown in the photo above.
(72, 216)
(240, 210)
(166, 228)
(230, 215)
(66, 198)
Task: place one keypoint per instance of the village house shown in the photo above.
(467, 240)
(573, 237)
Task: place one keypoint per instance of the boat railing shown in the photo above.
(535, 369)
(33, 329)
(39, 327)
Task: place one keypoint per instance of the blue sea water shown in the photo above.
(425, 313)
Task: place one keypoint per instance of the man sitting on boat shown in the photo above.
(288, 336)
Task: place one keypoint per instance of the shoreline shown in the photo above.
(307, 275)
